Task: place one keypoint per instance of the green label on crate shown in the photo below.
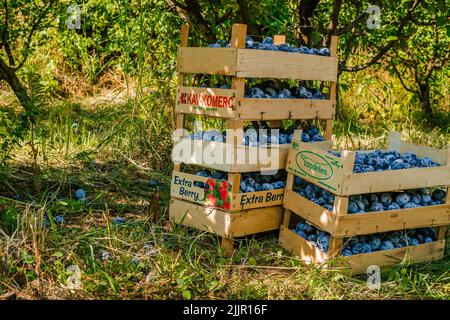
(314, 165)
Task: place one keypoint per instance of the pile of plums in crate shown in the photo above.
(369, 243)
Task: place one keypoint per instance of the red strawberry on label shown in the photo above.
(225, 185)
(211, 183)
(224, 195)
(211, 200)
(226, 206)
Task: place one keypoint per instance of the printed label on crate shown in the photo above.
(273, 197)
(315, 167)
(209, 191)
(220, 102)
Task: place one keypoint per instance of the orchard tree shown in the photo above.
(20, 22)
(422, 60)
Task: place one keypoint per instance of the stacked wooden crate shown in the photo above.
(335, 174)
(236, 216)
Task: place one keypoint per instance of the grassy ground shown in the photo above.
(112, 150)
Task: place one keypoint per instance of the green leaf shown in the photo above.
(57, 254)
(391, 38)
(26, 257)
(187, 294)
(441, 20)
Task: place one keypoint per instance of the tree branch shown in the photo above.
(34, 27)
(401, 80)
(388, 46)
(5, 36)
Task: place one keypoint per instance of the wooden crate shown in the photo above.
(338, 223)
(228, 225)
(358, 264)
(240, 63)
(183, 188)
(314, 164)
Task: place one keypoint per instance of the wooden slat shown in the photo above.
(195, 149)
(300, 247)
(229, 159)
(225, 224)
(185, 190)
(308, 210)
(177, 190)
(396, 143)
(238, 35)
(279, 39)
(392, 220)
(255, 221)
(287, 218)
(200, 217)
(179, 119)
(179, 125)
(425, 252)
(333, 88)
(207, 60)
(329, 128)
(272, 158)
(227, 246)
(396, 180)
(282, 109)
(335, 247)
(334, 46)
(285, 65)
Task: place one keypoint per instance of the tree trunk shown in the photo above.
(9, 75)
(247, 18)
(306, 12)
(424, 96)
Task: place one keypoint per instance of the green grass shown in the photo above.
(112, 153)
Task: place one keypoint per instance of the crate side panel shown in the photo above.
(274, 109)
(314, 164)
(420, 253)
(392, 220)
(255, 221)
(396, 180)
(207, 60)
(308, 210)
(438, 155)
(298, 246)
(200, 217)
(285, 65)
